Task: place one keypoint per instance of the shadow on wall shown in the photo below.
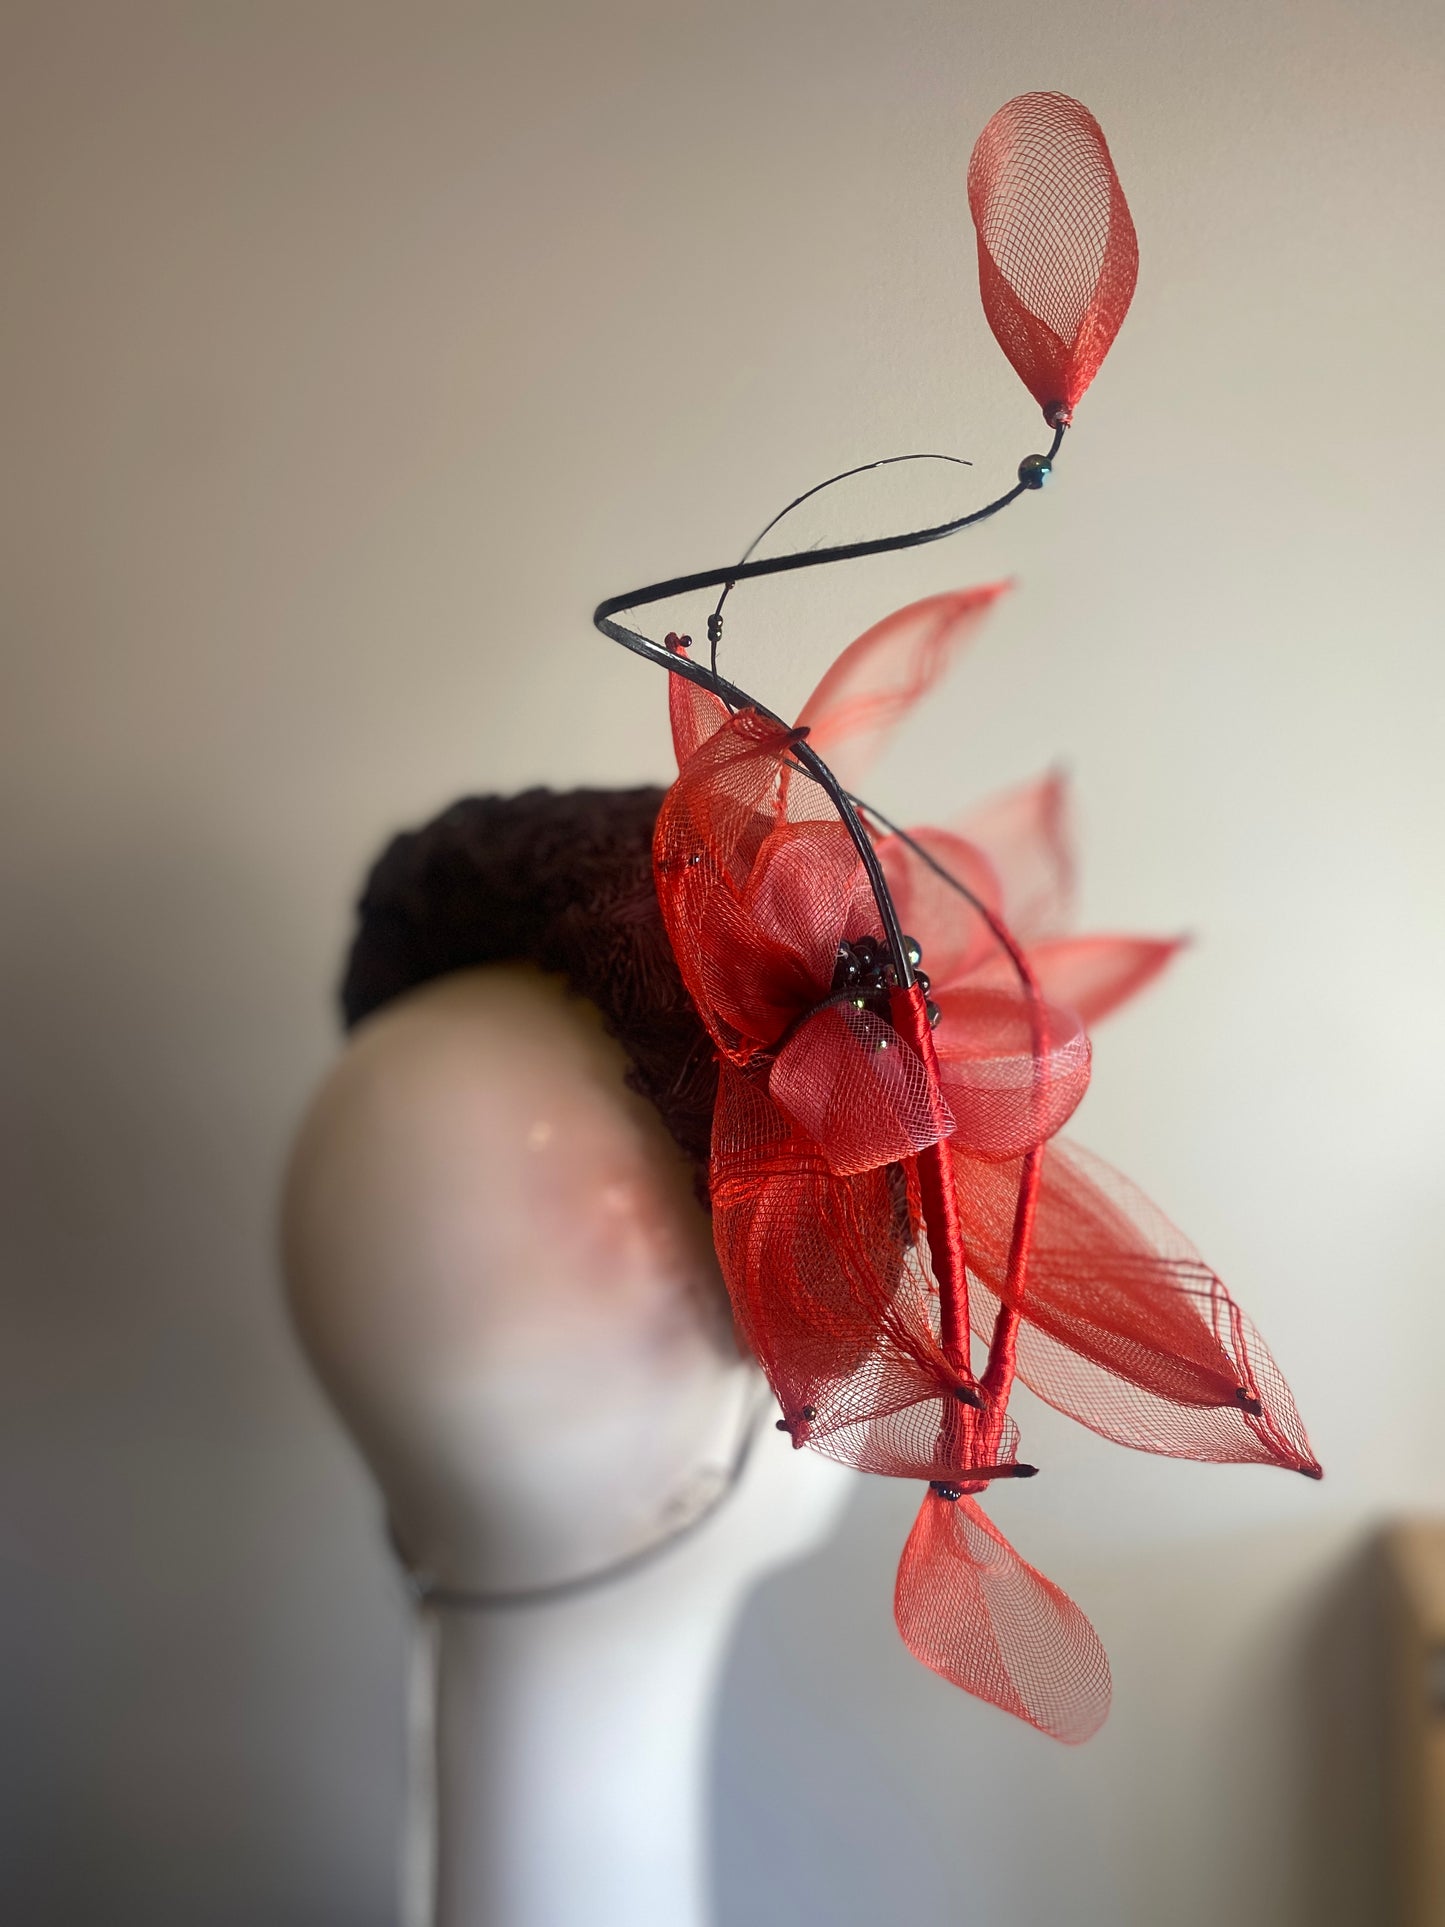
(850, 1787)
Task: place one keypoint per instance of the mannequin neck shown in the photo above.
(571, 1753)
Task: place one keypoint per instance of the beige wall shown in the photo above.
(350, 353)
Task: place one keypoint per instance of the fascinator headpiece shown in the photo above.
(900, 1032)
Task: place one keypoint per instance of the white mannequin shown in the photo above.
(504, 1281)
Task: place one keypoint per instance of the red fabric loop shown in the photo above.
(850, 1082)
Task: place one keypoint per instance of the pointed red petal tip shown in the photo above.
(1057, 253)
(877, 680)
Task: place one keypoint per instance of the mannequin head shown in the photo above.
(500, 1271)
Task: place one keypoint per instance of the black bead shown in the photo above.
(1035, 470)
(935, 1015)
(913, 951)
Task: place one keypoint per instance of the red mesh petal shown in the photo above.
(1012, 1072)
(968, 1606)
(837, 1302)
(811, 1261)
(855, 1087)
(1025, 835)
(695, 713)
(870, 1425)
(748, 984)
(1057, 254)
(1094, 975)
(877, 679)
(755, 904)
(1125, 1328)
(808, 890)
(954, 938)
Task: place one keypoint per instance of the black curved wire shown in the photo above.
(714, 621)
(605, 615)
(997, 928)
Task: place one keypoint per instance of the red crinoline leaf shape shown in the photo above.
(1024, 835)
(812, 1262)
(879, 678)
(695, 713)
(755, 907)
(1095, 974)
(807, 888)
(1013, 1070)
(954, 934)
(1124, 1326)
(1090, 975)
(969, 1607)
(833, 1296)
(1057, 253)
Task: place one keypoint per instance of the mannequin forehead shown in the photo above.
(502, 1276)
(481, 1130)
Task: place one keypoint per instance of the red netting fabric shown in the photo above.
(1090, 975)
(881, 676)
(834, 1295)
(756, 904)
(1013, 1065)
(960, 939)
(822, 1110)
(1057, 254)
(968, 1606)
(1124, 1326)
(1013, 1071)
(1024, 836)
(885, 1170)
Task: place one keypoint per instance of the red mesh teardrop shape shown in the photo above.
(970, 1608)
(1057, 254)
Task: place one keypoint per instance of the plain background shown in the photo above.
(350, 354)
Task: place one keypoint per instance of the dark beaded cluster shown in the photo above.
(864, 973)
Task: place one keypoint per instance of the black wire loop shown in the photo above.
(750, 568)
